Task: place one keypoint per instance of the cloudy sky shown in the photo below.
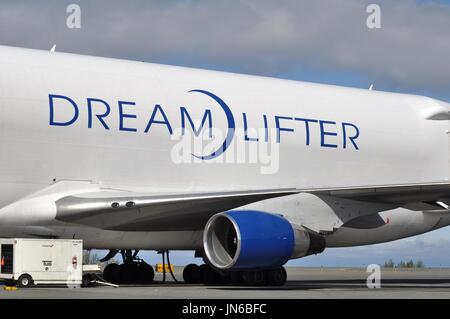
(321, 40)
(324, 41)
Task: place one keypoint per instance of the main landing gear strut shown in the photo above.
(133, 270)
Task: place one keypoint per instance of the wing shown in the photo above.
(125, 211)
(140, 212)
(393, 194)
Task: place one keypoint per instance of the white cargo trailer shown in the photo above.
(41, 261)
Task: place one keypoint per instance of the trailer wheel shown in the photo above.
(25, 281)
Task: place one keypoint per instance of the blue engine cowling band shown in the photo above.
(263, 240)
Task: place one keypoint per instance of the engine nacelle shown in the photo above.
(254, 239)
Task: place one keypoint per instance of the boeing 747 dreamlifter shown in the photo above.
(248, 172)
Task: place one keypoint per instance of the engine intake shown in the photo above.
(254, 239)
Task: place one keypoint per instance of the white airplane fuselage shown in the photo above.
(75, 120)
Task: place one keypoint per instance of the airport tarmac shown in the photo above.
(303, 283)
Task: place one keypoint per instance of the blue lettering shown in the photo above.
(206, 115)
(351, 138)
(307, 121)
(323, 133)
(279, 129)
(266, 128)
(51, 104)
(99, 110)
(152, 119)
(123, 115)
(246, 128)
(99, 116)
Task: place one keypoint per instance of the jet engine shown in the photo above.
(256, 240)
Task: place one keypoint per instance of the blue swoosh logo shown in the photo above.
(231, 126)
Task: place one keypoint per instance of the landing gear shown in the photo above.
(191, 274)
(132, 271)
(210, 276)
(277, 277)
(205, 274)
(111, 273)
(271, 277)
(255, 278)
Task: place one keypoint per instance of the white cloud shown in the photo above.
(265, 37)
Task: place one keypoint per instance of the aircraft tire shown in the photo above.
(276, 277)
(191, 274)
(259, 278)
(129, 273)
(146, 274)
(111, 273)
(209, 276)
(233, 278)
